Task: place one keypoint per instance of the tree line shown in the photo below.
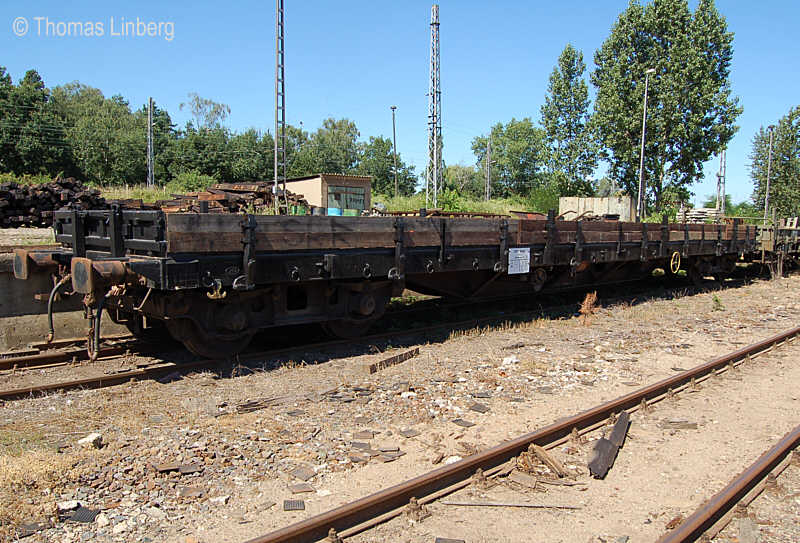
(73, 130)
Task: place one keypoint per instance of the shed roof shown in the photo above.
(339, 175)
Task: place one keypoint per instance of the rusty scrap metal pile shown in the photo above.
(222, 198)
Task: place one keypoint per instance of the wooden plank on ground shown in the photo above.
(392, 360)
(605, 450)
(549, 461)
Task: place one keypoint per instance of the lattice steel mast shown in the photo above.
(721, 183)
(280, 111)
(434, 172)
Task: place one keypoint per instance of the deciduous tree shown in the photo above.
(691, 113)
(518, 154)
(377, 159)
(566, 120)
(784, 187)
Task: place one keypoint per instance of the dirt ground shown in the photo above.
(245, 443)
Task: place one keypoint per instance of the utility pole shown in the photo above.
(721, 184)
(150, 160)
(771, 129)
(640, 198)
(279, 149)
(434, 173)
(394, 148)
(488, 167)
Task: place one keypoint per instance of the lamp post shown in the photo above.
(640, 198)
(394, 148)
(771, 129)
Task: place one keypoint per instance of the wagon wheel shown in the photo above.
(199, 342)
(347, 328)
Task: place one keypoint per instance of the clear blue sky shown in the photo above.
(355, 59)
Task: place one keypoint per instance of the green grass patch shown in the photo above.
(14, 443)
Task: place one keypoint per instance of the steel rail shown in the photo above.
(693, 527)
(105, 380)
(55, 357)
(396, 497)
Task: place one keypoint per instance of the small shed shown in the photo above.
(338, 194)
(574, 206)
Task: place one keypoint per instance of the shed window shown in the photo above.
(346, 197)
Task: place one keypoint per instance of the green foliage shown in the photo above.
(207, 114)
(565, 117)
(201, 151)
(465, 180)
(190, 181)
(25, 179)
(333, 148)
(691, 112)
(250, 156)
(784, 190)
(32, 136)
(541, 200)
(519, 157)
(377, 160)
(716, 303)
(106, 139)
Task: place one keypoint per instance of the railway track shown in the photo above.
(712, 516)
(160, 369)
(362, 514)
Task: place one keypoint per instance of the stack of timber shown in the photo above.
(230, 198)
(700, 215)
(33, 205)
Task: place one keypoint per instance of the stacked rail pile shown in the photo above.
(33, 205)
(230, 198)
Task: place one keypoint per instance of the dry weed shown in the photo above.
(588, 307)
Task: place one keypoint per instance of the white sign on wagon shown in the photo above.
(519, 260)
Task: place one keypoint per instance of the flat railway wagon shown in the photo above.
(215, 280)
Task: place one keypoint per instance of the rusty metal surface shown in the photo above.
(384, 501)
(46, 358)
(711, 511)
(105, 380)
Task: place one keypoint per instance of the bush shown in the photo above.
(191, 181)
(542, 199)
(25, 179)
